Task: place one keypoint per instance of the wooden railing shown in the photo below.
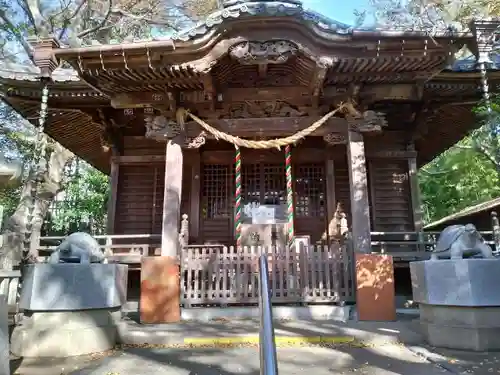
(9, 289)
(129, 248)
(219, 275)
(409, 246)
(124, 248)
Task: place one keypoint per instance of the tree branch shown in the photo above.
(484, 150)
(123, 13)
(67, 21)
(20, 38)
(24, 5)
(34, 9)
(100, 25)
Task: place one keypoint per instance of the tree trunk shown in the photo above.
(16, 227)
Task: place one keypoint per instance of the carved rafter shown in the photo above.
(319, 77)
(268, 52)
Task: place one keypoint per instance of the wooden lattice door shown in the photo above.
(263, 184)
(217, 197)
(310, 201)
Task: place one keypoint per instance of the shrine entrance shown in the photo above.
(263, 193)
(263, 199)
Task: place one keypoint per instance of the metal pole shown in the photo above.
(267, 345)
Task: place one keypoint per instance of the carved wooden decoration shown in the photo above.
(269, 52)
(259, 109)
(197, 141)
(370, 122)
(160, 128)
(334, 139)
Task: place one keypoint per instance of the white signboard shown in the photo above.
(260, 214)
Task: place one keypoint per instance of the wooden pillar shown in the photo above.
(358, 187)
(416, 201)
(113, 192)
(160, 276)
(194, 215)
(375, 295)
(330, 198)
(172, 199)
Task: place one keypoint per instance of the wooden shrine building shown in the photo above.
(162, 118)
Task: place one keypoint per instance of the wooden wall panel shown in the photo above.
(390, 195)
(139, 206)
(135, 146)
(134, 200)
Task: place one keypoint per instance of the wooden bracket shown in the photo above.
(319, 77)
(209, 89)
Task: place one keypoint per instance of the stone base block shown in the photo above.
(463, 328)
(4, 337)
(73, 286)
(461, 338)
(375, 294)
(160, 290)
(65, 334)
(456, 282)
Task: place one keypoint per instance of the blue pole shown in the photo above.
(267, 345)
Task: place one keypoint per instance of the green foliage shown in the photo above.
(83, 203)
(469, 172)
(455, 180)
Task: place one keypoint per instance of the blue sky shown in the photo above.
(338, 10)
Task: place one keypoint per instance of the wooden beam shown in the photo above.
(172, 199)
(304, 154)
(358, 187)
(141, 99)
(269, 127)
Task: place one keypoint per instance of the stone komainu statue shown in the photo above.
(10, 172)
(78, 247)
(457, 241)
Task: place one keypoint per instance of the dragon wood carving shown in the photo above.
(269, 52)
(260, 109)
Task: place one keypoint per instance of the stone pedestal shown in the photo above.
(459, 302)
(375, 295)
(69, 309)
(160, 290)
(4, 337)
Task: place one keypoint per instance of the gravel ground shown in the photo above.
(388, 359)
